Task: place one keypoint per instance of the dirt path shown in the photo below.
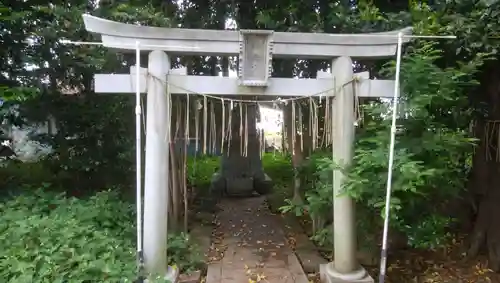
(249, 245)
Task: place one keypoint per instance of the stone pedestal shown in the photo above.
(328, 274)
(171, 276)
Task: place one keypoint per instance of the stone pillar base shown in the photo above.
(171, 276)
(329, 275)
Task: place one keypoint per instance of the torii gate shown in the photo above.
(253, 79)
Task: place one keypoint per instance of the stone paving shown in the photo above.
(249, 245)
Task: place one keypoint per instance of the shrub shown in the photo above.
(431, 149)
(14, 173)
(279, 167)
(201, 169)
(48, 237)
(181, 251)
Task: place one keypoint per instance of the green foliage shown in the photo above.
(432, 113)
(430, 232)
(429, 122)
(16, 94)
(95, 138)
(181, 250)
(51, 238)
(16, 174)
(316, 175)
(94, 144)
(200, 170)
(48, 237)
(279, 167)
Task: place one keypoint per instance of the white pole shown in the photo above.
(383, 256)
(138, 161)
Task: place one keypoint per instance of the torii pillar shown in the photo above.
(156, 177)
(345, 267)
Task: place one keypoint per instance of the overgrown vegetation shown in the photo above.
(447, 151)
(200, 171)
(51, 233)
(50, 237)
(432, 107)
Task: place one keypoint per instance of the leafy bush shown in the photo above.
(51, 169)
(279, 167)
(48, 237)
(181, 251)
(201, 169)
(14, 174)
(430, 155)
(430, 151)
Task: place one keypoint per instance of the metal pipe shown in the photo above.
(138, 156)
(383, 256)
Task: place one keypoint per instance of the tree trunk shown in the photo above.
(485, 176)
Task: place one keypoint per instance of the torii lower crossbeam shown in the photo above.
(180, 83)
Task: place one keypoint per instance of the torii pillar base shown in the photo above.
(328, 274)
(171, 276)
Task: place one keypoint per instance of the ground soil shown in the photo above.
(448, 265)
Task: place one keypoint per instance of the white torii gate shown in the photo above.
(255, 48)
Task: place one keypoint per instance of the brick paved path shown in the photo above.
(249, 245)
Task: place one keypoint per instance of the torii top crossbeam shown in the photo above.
(227, 42)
